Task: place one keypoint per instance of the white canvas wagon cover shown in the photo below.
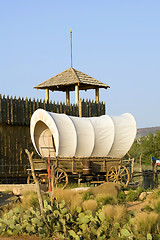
(61, 135)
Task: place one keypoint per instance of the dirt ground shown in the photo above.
(137, 205)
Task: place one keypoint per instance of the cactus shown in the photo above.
(125, 233)
(101, 216)
(117, 225)
(79, 209)
(73, 235)
(84, 219)
(62, 204)
(149, 236)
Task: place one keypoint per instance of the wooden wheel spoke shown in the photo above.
(122, 170)
(60, 175)
(124, 174)
(57, 174)
(119, 169)
(110, 177)
(115, 170)
(111, 174)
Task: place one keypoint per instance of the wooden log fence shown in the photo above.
(15, 111)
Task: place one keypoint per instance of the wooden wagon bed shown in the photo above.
(91, 170)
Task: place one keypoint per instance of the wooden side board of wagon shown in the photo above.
(81, 170)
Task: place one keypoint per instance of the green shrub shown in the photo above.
(103, 199)
(139, 190)
(121, 197)
(148, 208)
(87, 195)
(132, 196)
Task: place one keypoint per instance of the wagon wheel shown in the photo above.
(59, 178)
(30, 179)
(42, 178)
(118, 174)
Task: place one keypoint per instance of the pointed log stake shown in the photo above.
(30, 155)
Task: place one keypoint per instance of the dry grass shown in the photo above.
(109, 211)
(146, 222)
(155, 194)
(120, 212)
(108, 188)
(116, 213)
(154, 200)
(72, 199)
(29, 199)
(90, 205)
(156, 205)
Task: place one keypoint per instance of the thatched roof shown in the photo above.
(68, 79)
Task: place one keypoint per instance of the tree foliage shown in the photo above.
(147, 147)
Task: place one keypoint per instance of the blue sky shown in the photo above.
(115, 41)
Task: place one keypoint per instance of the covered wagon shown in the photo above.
(87, 149)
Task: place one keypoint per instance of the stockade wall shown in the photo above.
(15, 117)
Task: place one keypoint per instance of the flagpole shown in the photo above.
(71, 44)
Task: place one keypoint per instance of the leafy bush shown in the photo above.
(148, 208)
(87, 195)
(149, 146)
(121, 197)
(132, 195)
(139, 190)
(103, 199)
